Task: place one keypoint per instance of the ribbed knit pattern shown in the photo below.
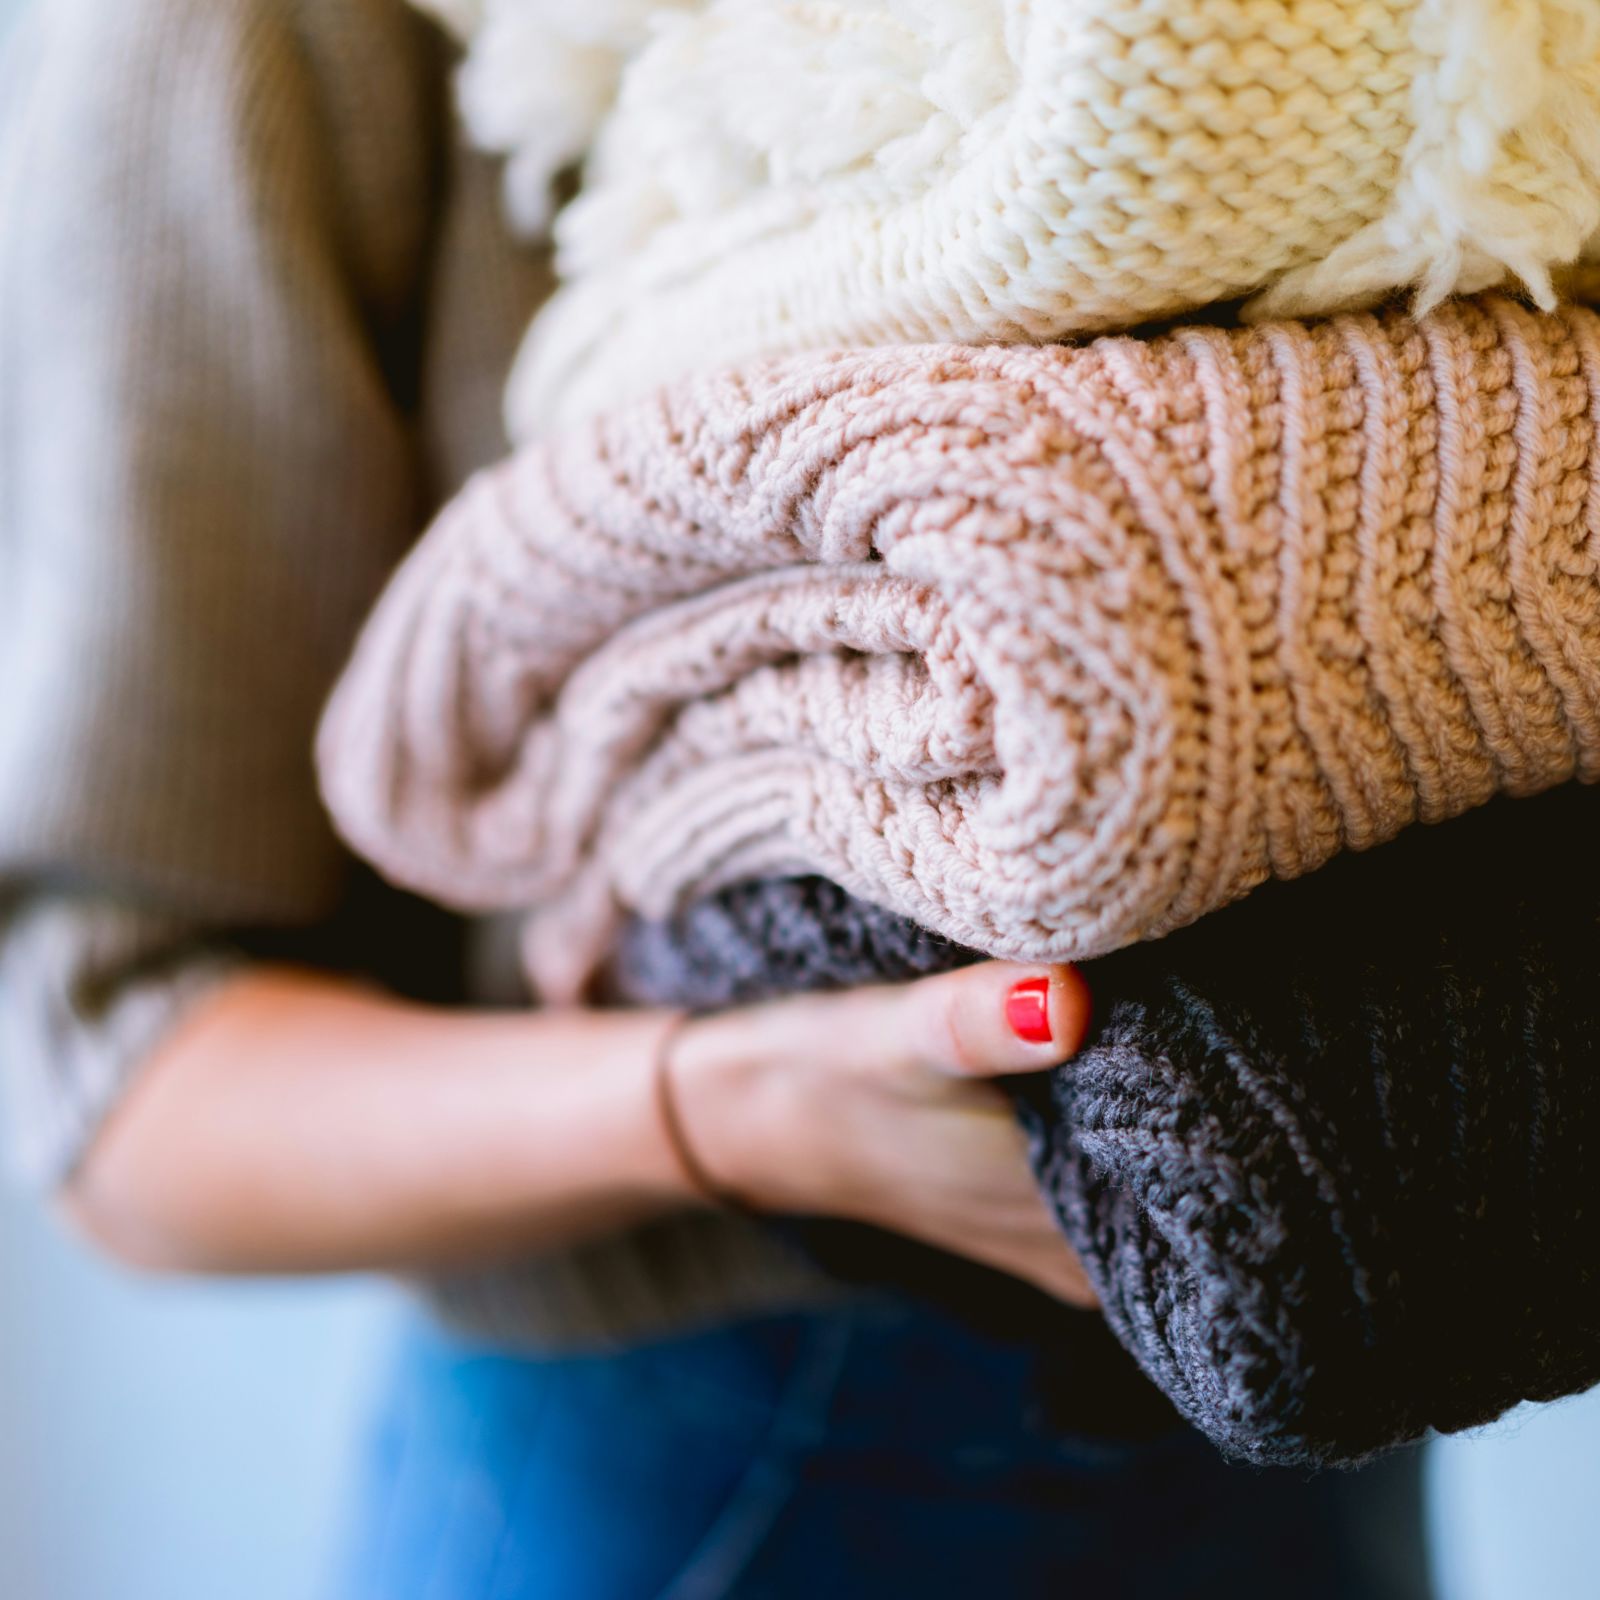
(1326, 1156)
(199, 462)
(1048, 650)
(784, 175)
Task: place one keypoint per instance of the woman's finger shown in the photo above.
(1055, 1269)
(996, 1019)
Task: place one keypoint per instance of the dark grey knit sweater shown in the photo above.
(1328, 1155)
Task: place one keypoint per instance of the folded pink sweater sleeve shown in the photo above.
(1049, 650)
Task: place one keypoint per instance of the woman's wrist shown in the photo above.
(879, 1105)
(702, 1183)
(649, 1142)
(740, 1115)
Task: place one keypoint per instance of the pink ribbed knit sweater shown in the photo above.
(1047, 649)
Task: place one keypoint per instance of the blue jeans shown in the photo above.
(876, 1450)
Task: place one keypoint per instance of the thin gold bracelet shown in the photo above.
(671, 1116)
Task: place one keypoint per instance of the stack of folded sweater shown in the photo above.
(854, 665)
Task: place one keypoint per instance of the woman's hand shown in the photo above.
(874, 1105)
(297, 1123)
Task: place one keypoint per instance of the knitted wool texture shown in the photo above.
(1326, 1155)
(1047, 650)
(539, 79)
(781, 175)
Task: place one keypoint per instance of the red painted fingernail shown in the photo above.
(1028, 1011)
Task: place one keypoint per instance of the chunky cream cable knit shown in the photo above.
(782, 175)
(1048, 650)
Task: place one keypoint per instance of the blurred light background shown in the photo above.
(187, 1442)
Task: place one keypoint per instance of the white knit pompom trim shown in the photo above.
(872, 98)
(539, 78)
(1501, 178)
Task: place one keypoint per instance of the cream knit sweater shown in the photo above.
(771, 176)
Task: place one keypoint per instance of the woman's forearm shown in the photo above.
(297, 1123)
